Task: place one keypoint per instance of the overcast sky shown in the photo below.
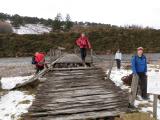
(117, 12)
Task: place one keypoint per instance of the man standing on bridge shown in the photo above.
(83, 44)
(139, 69)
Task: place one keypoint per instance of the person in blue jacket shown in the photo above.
(139, 68)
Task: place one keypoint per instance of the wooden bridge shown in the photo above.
(73, 92)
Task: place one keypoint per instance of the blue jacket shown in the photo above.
(139, 64)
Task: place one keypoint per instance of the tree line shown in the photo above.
(58, 23)
(102, 40)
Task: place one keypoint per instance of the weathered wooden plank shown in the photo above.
(95, 103)
(66, 85)
(74, 77)
(72, 89)
(69, 69)
(49, 102)
(82, 70)
(81, 99)
(77, 110)
(76, 93)
(68, 82)
(79, 94)
(80, 116)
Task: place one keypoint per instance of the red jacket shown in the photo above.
(83, 42)
(40, 59)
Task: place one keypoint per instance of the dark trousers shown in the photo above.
(118, 61)
(143, 84)
(83, 53)
(39, 68)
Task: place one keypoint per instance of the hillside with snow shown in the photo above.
(32, 29)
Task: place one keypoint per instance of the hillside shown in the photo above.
(102, 40)
(36, 36)
(34, 25)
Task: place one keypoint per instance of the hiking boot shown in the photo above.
(145, 98)
(131, 106)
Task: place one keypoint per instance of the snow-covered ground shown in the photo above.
(14, 103)
(142, 105)
(32, 29)
(11, 82)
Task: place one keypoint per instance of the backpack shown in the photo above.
(33, 60)
(136, 57)
(127, 80)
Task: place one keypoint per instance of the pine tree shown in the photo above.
(57, 23)
(68, 22)
(17, 21)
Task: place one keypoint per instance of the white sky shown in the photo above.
(117, 12)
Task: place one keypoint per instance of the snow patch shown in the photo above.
(142, 105)
(116, 76)
(14, 104)
(11, 82)
(32, 29)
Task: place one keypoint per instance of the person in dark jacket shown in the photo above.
(83, 44)
(139, 69)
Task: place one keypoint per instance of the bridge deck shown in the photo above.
(77, 94)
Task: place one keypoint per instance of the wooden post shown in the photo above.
(54, 54)
(91, 56)
(111, 66)
(75, 50)
(50, 55)
(134, 87)
(60, 53)
(155, 107)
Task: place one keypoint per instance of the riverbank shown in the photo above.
(21, 66)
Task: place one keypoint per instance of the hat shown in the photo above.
(140, 48)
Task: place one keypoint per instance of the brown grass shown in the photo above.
(135, 116)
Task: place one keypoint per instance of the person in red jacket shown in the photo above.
(39, 61)
(83, 44)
